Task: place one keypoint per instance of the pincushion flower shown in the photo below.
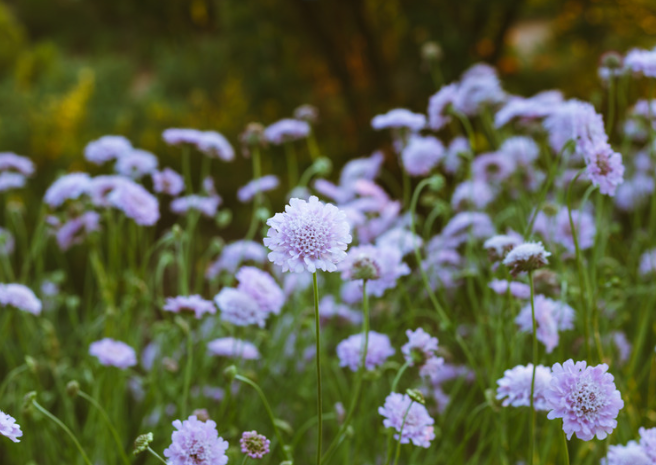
(399, 118)
(550, 316)
(102, 186)
(9, 161)
(286, 130)
(215, 145)
(641, 62)
(308, 236)
(261, 286)
(634, 193)
(107, 148)
(136, 164)
(420, 347)
(254, 445)
(528, 256)
(135, 202)
(330, 310)
(9, 428)
(631, 454)
(361, 168)
(400, 239)
(558, 229)
(493, 167)
(418, 426)
(517, 289)
(585, 398)
(113, 353)
(458, 147)
(479, 86)
(648, 442)
(421, 155)
(196, 443)
(263, 184)
(647, 263)
(387, 261)
(10, 181)
(379, 349)
(521, 149)
(177, 136)
(604, 168)
(168, 182)
(239, 308)
(70, 186)
(234, 255)
(233, 348)
(439, 106)
(515, 387)
(207, 206)
(76, 229)
(498, 246)
(474, 194)
(191, 303)
(20, 297)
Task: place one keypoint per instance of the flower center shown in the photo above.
(308, 237)
(586, 398)
(603, 165)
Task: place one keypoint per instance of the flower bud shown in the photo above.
(170, 364)
(431, 51)
(223, 218)
(142, 443)
(365, 268)
(323, 166)
(307, 112)
(253, 135)
(202, 414)
(416, 396)
(230, 372)
(72, 388)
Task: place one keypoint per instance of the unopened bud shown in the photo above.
(72, 388)
(307, 112)
(230, 372)
(253, 135)
(142, 443)
(323, 166)
(170, 364)
(223, 218)
(416, 396)
(202, 414)
(365, 268)
(431, 51)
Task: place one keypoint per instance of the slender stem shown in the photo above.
(245, 459)
(156, 455)
(187, 378)
(64, 427)
(398, 445)
(313, 147)
(397, 378)
(565, 449)
(468, 127)
(318, 359)
(535, 363)
(103, 413)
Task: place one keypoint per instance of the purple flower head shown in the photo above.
(239, 308)
(196, 443)
(286, 130)
(431, 367)
(175, 136)
(102, 186)
(331, 310)
(307, 112)
(498, 246)
(191, 303)
(254, 445)
(528, 109)
(9, 161)
(7, 242)
(399, 118)
(577, 121)
(107, 148)
(644, 109)
(20, 297)
(418, 425)
(168, 182)
(493, 167)
(517, 289)
(453, 159)
(135, 202)
(585, 398)
(622, 345)
(75, 230)
(515, 387)
(648, 442)
(379, 350)
(136, 164)
(443, 267)
(526, 257)
(634, 193)
(214, 145)
(475, 194)
(421, 155)
(263, 184)
(605, 168)
(10, 181)
(205, 205)
(361, 168)
(234, 255)
(461, 227)
(70, 186)
(479, 86)
(444, 372)
(308, 236)
(584, 225)
(387, 261)
(647, 263)
(420, 347)
(233, 348)
(550, 316)
(400, 239)
(261, 286)
(438, 106)
(113, 353)
(631, 454)
(328, 189)
(9, 428)
(641, 62)
(521, 149)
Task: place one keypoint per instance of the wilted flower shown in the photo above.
(20, 297)
(9, 428)
(113, 353)
(69, 186)
(529, 256)
(191, 303)
(261, 286)
(286, 130)
(263, 184)
(420, 347)
(417, 426)
(168, 182)
(254, 445)
(196, 442)
(515, 387)
(585, 398)
(233, 348)
(399, 118)
(240, 308)
(379, 349)
(421, 155)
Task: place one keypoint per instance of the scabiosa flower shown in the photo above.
(102, 186)
(107, 148)
(239, 308)
(604, 168)
(261, 286)
(286, 130)
(550, 316)
(379, 349)
(215, 145)
(191, 303)
(136, 164)
(529, 256)
(263, 184)
(176, 136)
(584, 225)
(585, 398)
(9, 428)
(622, 345)
(399, 118)
(75, 230)
(331, 310)
(21, 297)
(453, 159)
(234, 255)
(577, 121)
(647, 263)
(10, 181)
(517, 289)
(308, 236)
(474, 194)
(515, 387)
(420, 347)
(168, 182)
(196, 442)
(528, 109)
(421, 155)
(439, 106)
(7, 242)
(205, 205)
(634, 193)
(135, 202)
(648, 442)
(69, 186)
(461, 228)
(611, 65)
(631, 454)
(521, 149)
(254, 445)
(431, 367)
(9, 161)
(641, 62)
(233, 348)
(361, 168)
(388, 262)
(418, 426)
(113, 353)
(400, 239)
(479, 86)
(498, 246)
(493, 167)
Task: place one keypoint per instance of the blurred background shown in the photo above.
(73, 70)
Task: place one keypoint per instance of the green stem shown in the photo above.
(468, 127)
(156, 455)
(187, 378)
(318, 359)
(535, 363)
(64, 427)
(565, 449)
(399, 374)
(398, 445)
(245, 459)
(103, 413)
(11, 375)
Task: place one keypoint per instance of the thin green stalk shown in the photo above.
(103, 413)
(468, 127)
(64, 427)
(398, 445)
(292, 165)
(565, 449)
(187, 377)
(313, 147)
(399, 374)
(157, 455)
(245, 459)
(11, 375)
(535, 364)
(318, 359)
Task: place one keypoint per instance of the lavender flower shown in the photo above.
(233, 348)
(641, 62)
(526, 257)
(168, 182)
(205, 205)
(70, 186)
(286, 130)
(515, 387)
(196, 442)
(453, 159)
(254, 445)
(361, 168)
(418, 423)
(9, 428)
(263, 184)
(175, 136)
(107, 148)
(431, 367)
(461, 228)
(494, 167)
(20, 297)
(479, 86)
(648, 442)
(498, 246)
(102, 186)
(550, 316)
(215, 145)
(191, 303)
(379, 350)
(234, 254)
(399, 118)
(517, 289)
(308, 236)
(113, 353)
(585, 398)
(475, 194)
(631, 454)
(9, 161)
(604, 168)
(577, 121)
(75, 230)
(439, 106)
(10, 181)
(421, 155)
(528, 109)
(521, 149)
(239, 308)
(135, 202)
(136, 164)
(400, 239)
(387, 261)
(262, 288)
(420, 347)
